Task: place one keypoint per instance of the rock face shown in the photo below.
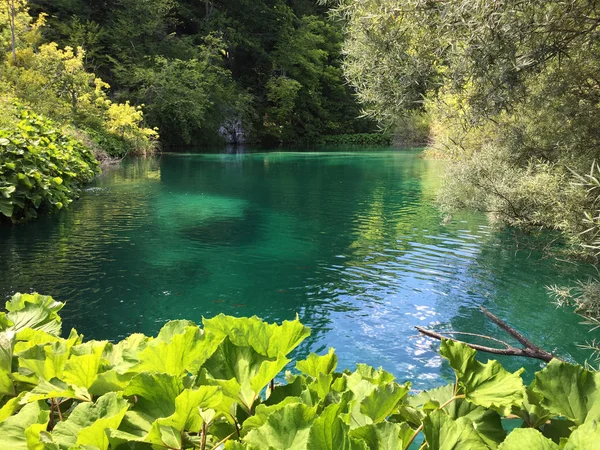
(233, 131)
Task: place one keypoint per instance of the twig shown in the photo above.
(529, 350)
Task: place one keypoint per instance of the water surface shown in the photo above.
(352, 242)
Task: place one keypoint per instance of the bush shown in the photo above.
(41, 168)
(357, 139)
(212, 387)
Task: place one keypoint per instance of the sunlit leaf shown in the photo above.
(489, 384)
(528, 438)
(384, 436)
(21, 431)
(568, 390)
(88, 423)
(269, 340)
(39, 312)
(443, 433)
(287, 428)
(314, 365)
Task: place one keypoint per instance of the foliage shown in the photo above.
(212, 387)
(357, 139)
(190, 99)
(55, 82)
(202, 68)
(510, 87)
(41, 167)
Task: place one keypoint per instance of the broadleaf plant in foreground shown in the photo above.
(211, 387)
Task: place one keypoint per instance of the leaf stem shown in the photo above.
(203, 439)
(418, 430)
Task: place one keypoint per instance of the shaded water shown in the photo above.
(351, 242)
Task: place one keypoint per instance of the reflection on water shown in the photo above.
(351, 241)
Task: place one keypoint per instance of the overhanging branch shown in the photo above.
(529, 349)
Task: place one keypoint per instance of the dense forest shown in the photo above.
(261, 71)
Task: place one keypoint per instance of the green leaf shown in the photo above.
(11, 407)
(270, 340)
(151, 422)
(287, 428)
(383, 401)
(376, 376)
(7, 344)
(315, 365)
(528, 438)
(88, 423)
(242, 372)
(569, 391)
(22, 431)
(82, 368)
(262, 413)
(329, 431)
(443, 433)
(39, 312)
(587, 436)
(55, 388)
(487, 422)
(6, 207)
(384, 436)
(177, 350)
(489, 384)
(46, 361)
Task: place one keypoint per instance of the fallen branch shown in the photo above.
(529, 350)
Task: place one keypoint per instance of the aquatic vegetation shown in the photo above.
(213, 387)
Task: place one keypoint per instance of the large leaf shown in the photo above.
(262, 413)
(39, 312)
(384, 436)
(242, 372)
(7, 344)
(46, 361)
(88, 423)
(287, 428)
(569, 391)
(162, 413)
(315, 365)
(21, 431)
(178, 349)
(55, 388)
(528, 438)
(443, 433)
(270, 340)
(489, 384)
(383, 401)
(487, 422)
(329, 431)
(587, 436)
(84, 364)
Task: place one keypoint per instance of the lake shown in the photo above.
(351, 241)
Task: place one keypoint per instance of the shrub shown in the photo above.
(357, 139)
(213, 387)
(41, 167)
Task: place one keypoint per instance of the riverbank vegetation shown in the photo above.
(220, 386)
(512, 96)
(111, 77)
(266, 71)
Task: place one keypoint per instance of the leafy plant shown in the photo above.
(41, 167)
(357, 139)
(212, 388)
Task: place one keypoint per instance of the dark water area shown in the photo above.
(352, 242)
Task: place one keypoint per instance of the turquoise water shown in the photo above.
(350, 241)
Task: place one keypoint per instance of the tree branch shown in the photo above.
(529, 349)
